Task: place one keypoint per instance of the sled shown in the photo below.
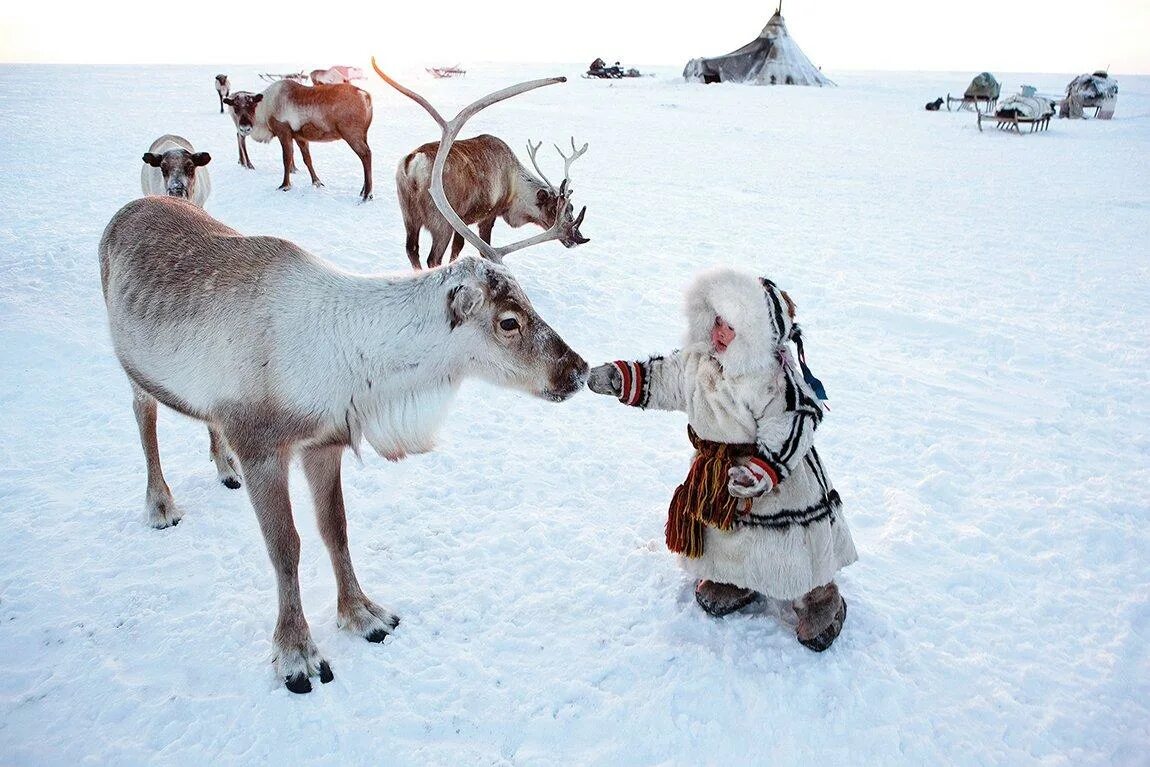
(1016, 124)
(980, 104)
(443, 72)
(606, 74)
(271, 77)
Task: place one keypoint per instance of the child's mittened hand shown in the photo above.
(605, 379)
(749, 481)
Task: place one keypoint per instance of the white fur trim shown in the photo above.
(783, 564)
(747, 306)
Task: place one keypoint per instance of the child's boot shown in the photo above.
(821, 612)
(721, 599)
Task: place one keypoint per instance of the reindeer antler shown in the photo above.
(451, 129)
(531, 150)
(567, 161)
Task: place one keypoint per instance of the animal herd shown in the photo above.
(283, 355)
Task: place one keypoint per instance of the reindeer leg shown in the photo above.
(162, 511)
(244, 159)
(412, 245)
(439, 242)
(485, 228)
(296, 656)
(288, 154)
(227, 470)
(305, 150)
(357, 613)
(456, 245)
(359, 145)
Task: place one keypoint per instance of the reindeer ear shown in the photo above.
(152, 159)
(229, 101)
(462, 303)
(543, 198)
(201, 158)
(257, 98)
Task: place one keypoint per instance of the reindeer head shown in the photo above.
(509, 343)
(243, 109)
(178, 167)
(555, 208)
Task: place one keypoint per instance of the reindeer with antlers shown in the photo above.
(286, 355)
(483, 181)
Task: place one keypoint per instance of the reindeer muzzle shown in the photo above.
(575, 237)
(569, 379)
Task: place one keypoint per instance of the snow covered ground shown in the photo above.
(976, 303)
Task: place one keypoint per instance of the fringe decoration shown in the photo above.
(815, 384)
(703, 499)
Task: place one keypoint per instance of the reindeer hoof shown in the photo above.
(163, 514)
(231, 483)
(284, 187)
(377, 636)
(299, 684)
(325, 674)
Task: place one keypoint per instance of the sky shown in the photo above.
(838, 35)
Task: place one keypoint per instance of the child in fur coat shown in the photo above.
(757, 513)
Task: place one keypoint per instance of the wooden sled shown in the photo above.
(271, 77)
(972, 102)
(442, 72)
(1016, 124)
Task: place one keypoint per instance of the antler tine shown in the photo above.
(531, 150)
(567, 161)
(451, 129)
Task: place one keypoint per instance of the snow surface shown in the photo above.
(976, 303)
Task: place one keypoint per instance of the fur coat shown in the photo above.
(795, 536)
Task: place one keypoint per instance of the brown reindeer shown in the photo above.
(289, 111)
(483, 181)
(286, 355)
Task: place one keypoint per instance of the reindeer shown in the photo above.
(483, 181)
(223, 88)
(290, 112)
(284, 353)
(173, 167)
(242, 108)
(336, 74)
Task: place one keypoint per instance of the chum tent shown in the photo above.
(772, 58)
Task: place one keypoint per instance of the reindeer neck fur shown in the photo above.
(268, 107)
(378, 355)
(524, 209)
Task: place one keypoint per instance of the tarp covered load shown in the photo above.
(983, 86)
(1097, 90)
(1025, 107)
(773, 58)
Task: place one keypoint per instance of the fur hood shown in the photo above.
(761, 314)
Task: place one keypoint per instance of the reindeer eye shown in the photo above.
(509, 324)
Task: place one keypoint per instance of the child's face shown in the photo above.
(721, 335)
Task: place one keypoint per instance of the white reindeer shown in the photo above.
(173, 167)
(286, 354)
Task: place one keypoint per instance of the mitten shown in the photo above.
(605, 379)
(750, 480)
